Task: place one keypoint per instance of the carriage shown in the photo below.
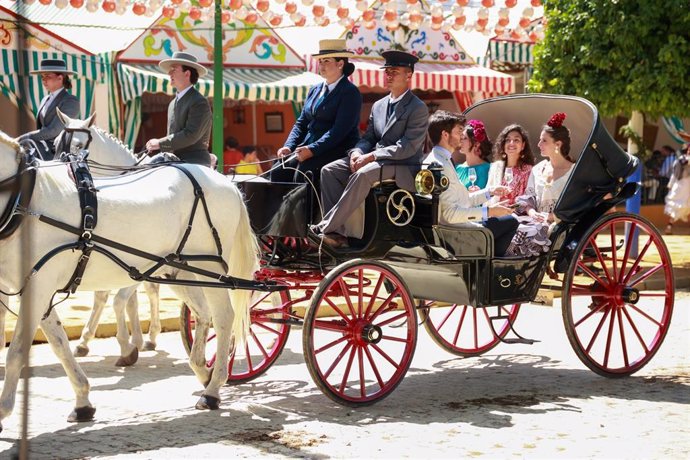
(360, 307)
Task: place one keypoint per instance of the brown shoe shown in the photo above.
(335, 240)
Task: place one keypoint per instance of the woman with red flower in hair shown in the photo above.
(545, 185)
(475, 145)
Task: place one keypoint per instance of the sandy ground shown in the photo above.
(516, 401)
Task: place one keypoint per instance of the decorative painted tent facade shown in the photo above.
(258, 65)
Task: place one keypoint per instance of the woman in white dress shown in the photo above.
(545, 185)
(678, 197)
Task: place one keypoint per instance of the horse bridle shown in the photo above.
(67, 137)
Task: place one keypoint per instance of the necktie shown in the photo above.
(391, 109)
(324, 93)
(44, 108)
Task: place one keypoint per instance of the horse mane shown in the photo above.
(112, 138)
(9, 141)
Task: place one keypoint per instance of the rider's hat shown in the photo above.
(183, 59)
(334, 48)
(395, 58)
(53, 66)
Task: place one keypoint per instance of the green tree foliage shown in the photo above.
(623, 55)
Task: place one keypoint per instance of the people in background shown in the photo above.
(458, 206)
(678, 198)
(249, 164)
(475, 145)
(513, 161)
(189, 113)
(391, 148)
(231, 154)
(327, 127)
(56, 80)
(545, 185)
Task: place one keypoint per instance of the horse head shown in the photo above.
(76, 134)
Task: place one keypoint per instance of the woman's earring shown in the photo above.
(558, 150)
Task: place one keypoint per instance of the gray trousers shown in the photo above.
(342, 191)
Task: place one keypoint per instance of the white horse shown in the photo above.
(149, 211)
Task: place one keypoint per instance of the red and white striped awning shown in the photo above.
(434, 77)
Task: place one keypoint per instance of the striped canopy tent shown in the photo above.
(507, 53)
(21, 50)
(258, 65)
(443, 65)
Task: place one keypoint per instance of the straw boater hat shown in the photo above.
(183, 59)
(53, 66)
(334, 48)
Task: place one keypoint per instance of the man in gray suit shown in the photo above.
(55, 79)
(390, 148)
(189, 113)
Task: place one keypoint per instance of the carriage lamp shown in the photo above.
(431, 181)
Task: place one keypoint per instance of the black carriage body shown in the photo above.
(456, 264)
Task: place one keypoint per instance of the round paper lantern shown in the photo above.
(262, 5)
(362, 5)
(302, 21)
(290, 7)
(176, 2)
(511, 3)
(307, 2)
(276, 20)
(225, 16)
(487, 3)
(168, 11)
(108, 5)
(76, 3)
(251, 18)
(524, 22)
(334, 4)
(318, 11)
(482, 22)
(235, 4)
(194, 13)
(390, 15)
(370, 25)
(535, 3)
(503, 22)
(462, 2)
(61, 4)
(342, 13)
(459, 22)
(47, 2)
(368, 15)
(138, 9)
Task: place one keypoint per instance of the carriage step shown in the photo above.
(522, 340)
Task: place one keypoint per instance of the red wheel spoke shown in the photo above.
(392, 319)
(645, 275)
(637, 262)
(374, 367)
(634, 328)
(384, 304)
(592, 312)
(622, 338)
(263, 314)
(337, 310)
(258, 344)
(460, 323)
(346, 374)
(345, 349)
(374, 295)
(614, 251)
(637, 309)
(346, 294)
(360, 294)
(474, 325)
(266, 328)
(394, 339)
(331, 344)
(597, 330)
(250, 365)
(385, 355)
(362, 385)
(652, 294)
(612, 320)
(443, 322)
(593, 275)
(593, 243)
(628, 248)
(330, 326)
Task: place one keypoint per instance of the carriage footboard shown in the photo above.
(445, 283)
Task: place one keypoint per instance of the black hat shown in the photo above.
(53, 66)
(395, 58)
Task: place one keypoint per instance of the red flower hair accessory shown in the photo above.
(478, 131)
(556, 120)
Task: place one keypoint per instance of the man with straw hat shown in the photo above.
(55, 78)
(189, 113)
(328, 125)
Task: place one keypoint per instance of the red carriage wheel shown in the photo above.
(465, 330)
(266, 340)
(618, 295)
(360, 333)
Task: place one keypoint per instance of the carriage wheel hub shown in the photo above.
(371, 333)
(630, 295)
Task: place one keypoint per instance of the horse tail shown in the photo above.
(243, 262)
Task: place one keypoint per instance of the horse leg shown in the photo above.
(128, 352)
(153, 293)
(194, 298)
(100, 298)
(59, 342)
(24, 328)
(4, 305)
(129, 296)
(223, 315)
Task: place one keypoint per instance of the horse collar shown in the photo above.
(21, 186)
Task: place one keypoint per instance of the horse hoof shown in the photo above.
(148, 346)
(128, 360)
(80, 351)
(208, 403)
(82, 414)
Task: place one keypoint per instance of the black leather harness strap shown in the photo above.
(21, 187)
